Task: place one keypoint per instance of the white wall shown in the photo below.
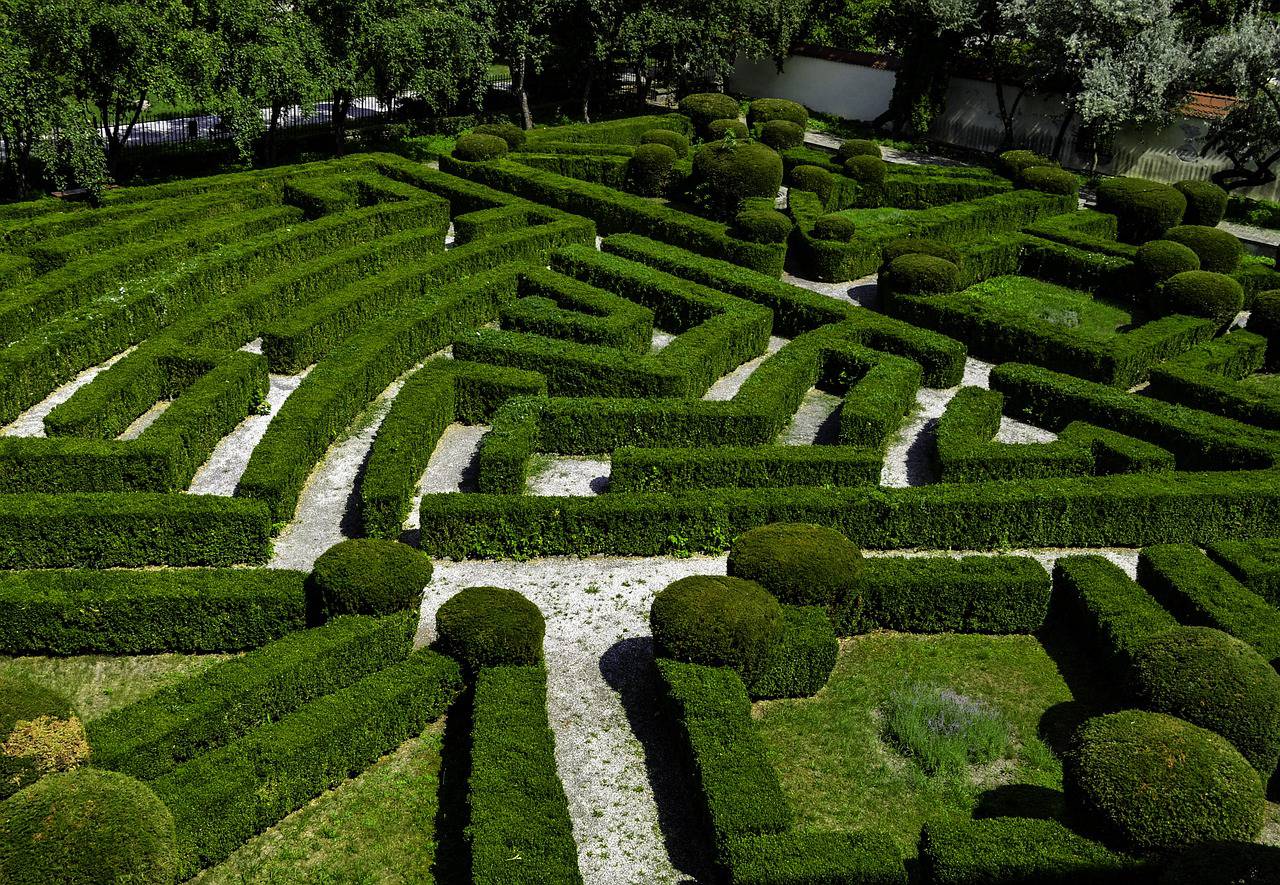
(854, 92)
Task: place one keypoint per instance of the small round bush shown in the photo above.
(367, 576)
(1160, 259)
(720, 622)
(87, 827)
(1199, 293)
(918, 246)
(870, 171)
(781, 134)
(761, 226)
(799, 563)
(669, 137)
(1206, 202)
(919, 275)
(718, 129)
(1050, 180)
(39, 734)
(812, 178)
(490, 627)
(857, 147)
(1144, 209)
(1219, 251)
(1152, 782)
(477, 147)
(1224, 863)
(1012, 163)
(835, 228)
(512, 134)
(705, 107)
(766, 110)
(733, 172)
(651, 168)
(1215, 681)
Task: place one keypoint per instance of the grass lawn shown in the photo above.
(1057, 305)
(841, 774)
(376, 828)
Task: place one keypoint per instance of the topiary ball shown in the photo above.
(1160, 259)
(512, 134)
(719, 622)
(857, 147)
(367, 576)
(766, 110)
(490, 627)
(1012, 163)
(1199, 293)
(1215, 681)
(477, 147)
(799, 563)
(87, 827)
(870, 171)
(732, 172)
(812, 178)
(1206, 202)
(761, 226)
(705, 107)
(1049, 179)
(1219, 251)
(835, 228)
(1144, 209)
(671, 138)
(718, 129)
(782, 134)
(39, 734)
(1224, 863)
(1151, 782)
(916, 274)
(651, 169)
(918, 246)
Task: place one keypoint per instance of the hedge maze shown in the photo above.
(1029, 375)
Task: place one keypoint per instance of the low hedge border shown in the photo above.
(1256, 564)
(558, 306)
(1209, 377)
(625, 131)
(1113, 610)
(802, 659)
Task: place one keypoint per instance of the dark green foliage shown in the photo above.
(490, 627)
(674, 140)
(1012, 163)
(833, 228)
(86, 827)
(650, 169)
(811, 178)
(478, 148)
(1210, 377)
(1150, 782)
(1255, 563)
(705, 107)
(781, 134)
(919, 246)
(24, 701)
(761, 226)
(1111, 610)
(720, 622)
(1145, 209)
(918, 274)
(1212, 680)
(1218, 250)
(856, 147)
(627, 130)
(1224, 863)
(1159, 260)
(732, 172)
(1264, 319)
(512, 134)
(1050, 179)
(720, 129)
(800, 564)
(802, 659)
(1206, 202)
(803, 857)
(868, 171)
(516, 802)
(368, 576)
(764, 110)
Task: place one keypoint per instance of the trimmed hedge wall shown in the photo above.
(1209, 377)
(1256, 564)
(1117, 613)
(802, 658)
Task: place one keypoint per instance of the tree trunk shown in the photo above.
(341, 101)
(1060, 139)
(518, 81)
(586, 94)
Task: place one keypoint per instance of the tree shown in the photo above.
(522, 38)
(928, 36)
(1247, 56)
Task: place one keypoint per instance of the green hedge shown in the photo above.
(557, 306)
(801, 857)
(762, 466)
(1256, 564)
(801, 660)
(1100, 599)
(1209, 377)
(625, 131)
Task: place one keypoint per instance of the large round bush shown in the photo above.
(367, 576)
(669, 137)
(761, 226)
(87, 827)
(39, 734)
(1145, 209)
(1050, 180)
(834, 228)
(1215, 681)
(799, 563)
(478, 147)
(490, 627)
(1012, 163)
(716, 621)
(870, 171)
(812, 178)
(1199, 293)
(1206, 202)
(766, 110)
(918, 246)
(1218, 250)
(1160, 259)
(916, 274)
(1148, 781)
(512, 134)
(651, 168)
(1224, 863)
(782, 134)
(704, 107)
(733, 172)
(857, 147)
(719, 129)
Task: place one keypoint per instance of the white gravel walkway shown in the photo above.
(31, 422)
(815, 422)
(572, 476)
(727, 387)
(145, 420)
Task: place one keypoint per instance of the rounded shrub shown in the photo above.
(835, 228)
(1144, 209)
(1160, 259)
(367, 576)
(705, 107)
(672, 139)
(651, 168)
(39, 734)
(799, 563)
(782, 134)
(1199, 293)
(1215, 681)
(478, 147)
(1152, 782)
(512, 134)
(718, 129)
(857, 147)
(1206, 202)
(1049, 179)
(916, 274)
(87, 827)
(1218, 250)
(732, 172)
(870, 171)
(919, 246)
(766, 110)
(490, 627)
(761, 226)
(720, 622)
(812, 178)
(1012, 163)
(1224, 863)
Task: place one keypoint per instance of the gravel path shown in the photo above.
(862, 292)
(31, 422)
(727, 387)
(571, 476)
(816, 422)
(139, 425)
